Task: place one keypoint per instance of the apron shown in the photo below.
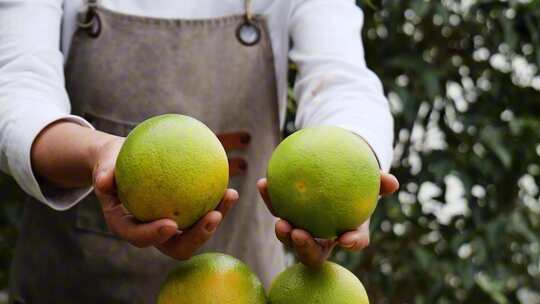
(121, 70)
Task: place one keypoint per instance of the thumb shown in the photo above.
(262, 185)
(389, 184)
(104, 167)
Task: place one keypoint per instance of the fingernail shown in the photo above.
(211, 227)
(165, 230)
(299, 242)
(349, 245)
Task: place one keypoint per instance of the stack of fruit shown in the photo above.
(324, 180)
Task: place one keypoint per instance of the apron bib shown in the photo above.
(121, 70)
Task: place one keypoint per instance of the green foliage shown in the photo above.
(460, 78)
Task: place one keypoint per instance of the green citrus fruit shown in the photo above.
(324, 180)
(171, 166)
(212, 278)
(331, 284)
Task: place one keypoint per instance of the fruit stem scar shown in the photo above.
(301, 186)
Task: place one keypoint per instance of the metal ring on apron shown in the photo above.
(92, 23)
(248, 32)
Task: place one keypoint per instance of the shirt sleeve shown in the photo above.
(334, 86)
(32, 91)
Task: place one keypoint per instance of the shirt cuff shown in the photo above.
(54, 197)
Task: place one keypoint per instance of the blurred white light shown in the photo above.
(456, 204)
(402, 80)
(454, 19)
(399, 229)
(396, 105)
(430, 238)
(527, 49)
(528, 184)
(481, 54)
(510, 13)
(465, 251)
(507, 115)
(528, 296)
(478, 191)
(408, 28)
(535, 83)
(386, 226)
(386, 268)
(382, 31)
(438, 20)
(499, 62)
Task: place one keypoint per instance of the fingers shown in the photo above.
(310, 252)
(262, 185)
(283, 232)
(162, 233)
(229, 200)
(184, 245)
(389, 184)
(105, 189)
(146, 235)
(355, 240)
(104, 175)
(124, 225)
(138, 234)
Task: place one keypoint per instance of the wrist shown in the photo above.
(63, 153)
(99, 147)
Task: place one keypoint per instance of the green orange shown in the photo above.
(325, 180)
(171, 166)
(331, 284)
(212, 278)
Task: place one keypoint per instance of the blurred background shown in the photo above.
(463, 82)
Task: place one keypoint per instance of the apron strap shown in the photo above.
(249, 12)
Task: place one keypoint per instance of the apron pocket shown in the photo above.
(89, 215)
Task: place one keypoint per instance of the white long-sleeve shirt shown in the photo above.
(334, 86)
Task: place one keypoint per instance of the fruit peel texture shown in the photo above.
(171, 166)
(331, 284)
(212, 278)
(325, 180)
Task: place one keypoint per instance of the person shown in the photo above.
(114, 63)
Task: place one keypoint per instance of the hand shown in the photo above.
(162, 234)
(313, 252)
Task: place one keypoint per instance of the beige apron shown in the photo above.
(121, 70)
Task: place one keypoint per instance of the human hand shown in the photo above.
(162, 234)
(312, 252)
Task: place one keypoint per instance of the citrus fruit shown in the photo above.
(324, 180)
(171, 166)
(331, 284)
(212, 278)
